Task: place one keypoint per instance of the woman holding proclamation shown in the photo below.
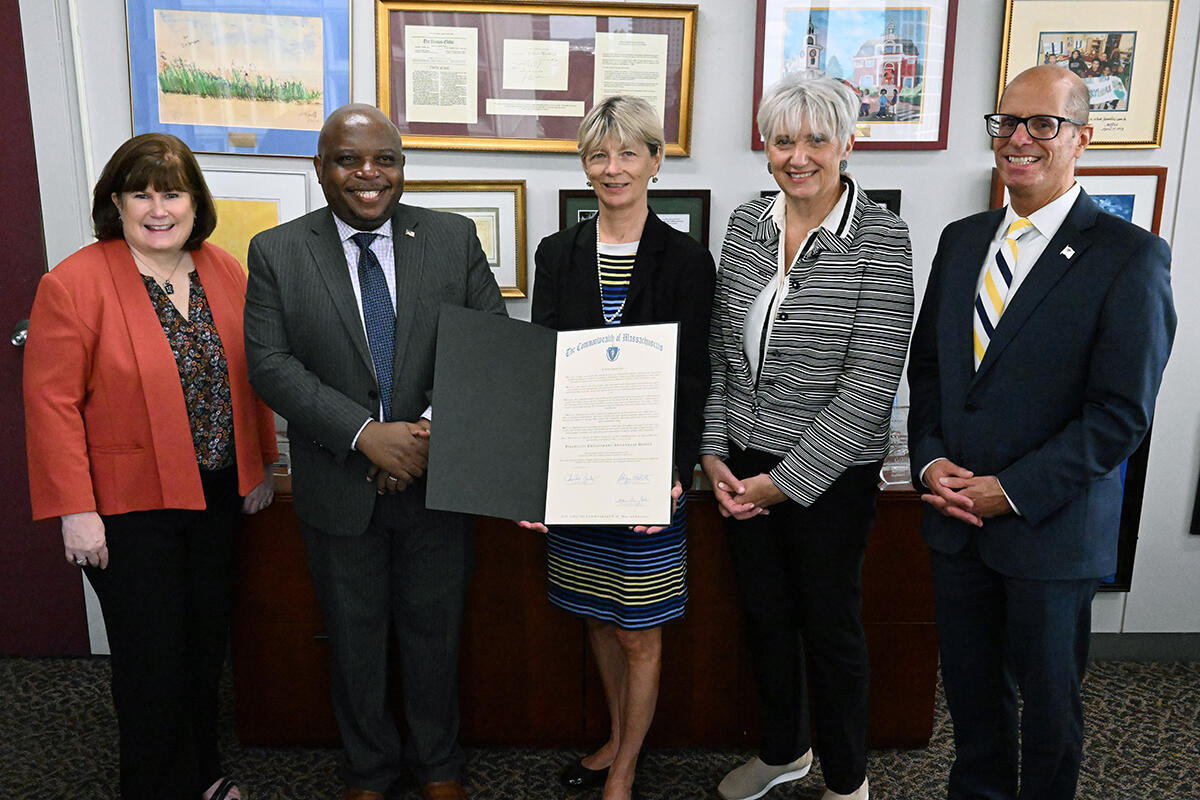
(809, 331)
(145, 437)
(626, 266)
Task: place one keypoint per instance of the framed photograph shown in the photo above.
(684, 210)
(238, 76)
(507, 75)
(498, 210)
(1135, 194)
(1132, 193)
(888, 198)
(897, 58)
(1121, 49)
(251, 201)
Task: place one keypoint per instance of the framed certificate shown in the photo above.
(238, 76)
(498, 210)
(1121, 49)
(897, 58)
(506, 75)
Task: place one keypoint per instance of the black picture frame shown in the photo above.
(888, 198)
(575, 205)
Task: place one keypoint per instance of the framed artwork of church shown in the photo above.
(896, 58)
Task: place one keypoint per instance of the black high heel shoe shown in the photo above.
(577, 776)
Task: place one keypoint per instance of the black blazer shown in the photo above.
(672, 281)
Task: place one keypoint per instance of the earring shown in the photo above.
(842, 166)
(654, 179)
(589, 183)
(769, 170)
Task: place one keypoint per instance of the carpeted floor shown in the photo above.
(58, 740)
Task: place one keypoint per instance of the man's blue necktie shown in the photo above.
(379, 316)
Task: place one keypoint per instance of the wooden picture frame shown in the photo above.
(498, 210)
(1133, 193)
(871, 45)
(1136, 195)
(507, 75)
(233, 76)
(686, 210)
(1124, 55)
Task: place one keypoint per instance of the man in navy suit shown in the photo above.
(1035, 362)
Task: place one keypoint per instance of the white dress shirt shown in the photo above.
(1046, 222)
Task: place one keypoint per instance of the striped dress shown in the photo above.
(633, 580)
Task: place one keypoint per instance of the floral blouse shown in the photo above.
(203, 372)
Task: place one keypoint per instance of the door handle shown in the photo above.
(20, 334)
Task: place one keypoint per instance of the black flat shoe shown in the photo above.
(577, 776)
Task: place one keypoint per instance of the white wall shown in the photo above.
(937, 186)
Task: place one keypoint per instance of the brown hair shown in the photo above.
(152, 160)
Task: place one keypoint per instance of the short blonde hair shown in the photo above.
(624, 119)
(828, 105)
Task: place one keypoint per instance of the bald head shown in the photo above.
(360, 165)
(354, 114)
(1046, 77)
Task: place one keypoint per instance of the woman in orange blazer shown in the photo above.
(145, 437)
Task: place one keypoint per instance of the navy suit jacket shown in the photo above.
(1064, 394)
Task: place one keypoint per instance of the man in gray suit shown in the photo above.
(341, 320)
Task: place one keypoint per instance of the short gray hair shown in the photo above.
(624, 119)
(828, 105)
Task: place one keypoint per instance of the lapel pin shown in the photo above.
(1068, 251)
(408, 232)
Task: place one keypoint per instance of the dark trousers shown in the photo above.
(799, 578)
(998, 635)
(166, 598)
(410, 568)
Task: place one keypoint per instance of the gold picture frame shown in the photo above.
(1125, 59)
(506, 75)
(498, 210)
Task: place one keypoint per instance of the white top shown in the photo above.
(762, 311)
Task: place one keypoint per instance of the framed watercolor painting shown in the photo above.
(505, 75)
(897, 58)
(1135, 194)
(684, 210)
(238, 76)
(498, 210)
(1121, 49)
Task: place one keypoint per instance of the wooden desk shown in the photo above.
(526, 675)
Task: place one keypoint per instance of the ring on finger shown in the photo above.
(393, 478)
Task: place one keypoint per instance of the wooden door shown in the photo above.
(41, 596)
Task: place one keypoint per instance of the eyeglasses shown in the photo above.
(1040, 126)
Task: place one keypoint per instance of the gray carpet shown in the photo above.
(58, 740)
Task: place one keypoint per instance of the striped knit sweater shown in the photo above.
(831, 367)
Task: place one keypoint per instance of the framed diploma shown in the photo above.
(1121, 49)
(897, 57)
(504, 75)
(498, 210)
(238, 76)
(684, 210)
(579, 427)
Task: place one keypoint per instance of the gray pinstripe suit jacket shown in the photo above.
(307, 351)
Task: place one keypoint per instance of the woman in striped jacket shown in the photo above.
(809, 330)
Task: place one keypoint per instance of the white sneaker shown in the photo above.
(754, 778)
(858, 794)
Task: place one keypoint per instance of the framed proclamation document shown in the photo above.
(561, 427)
(503, 75)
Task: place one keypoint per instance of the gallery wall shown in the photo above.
(78, 73)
